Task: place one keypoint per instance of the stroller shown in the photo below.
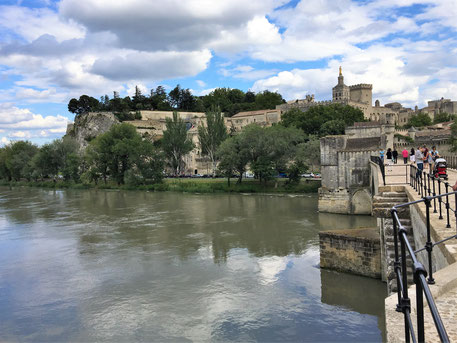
(440, 168)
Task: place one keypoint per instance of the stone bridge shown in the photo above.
(444, 291)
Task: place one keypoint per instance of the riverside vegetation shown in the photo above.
(121, 158)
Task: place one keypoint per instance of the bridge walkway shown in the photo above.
(445, 289)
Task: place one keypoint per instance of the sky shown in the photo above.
(52, 51)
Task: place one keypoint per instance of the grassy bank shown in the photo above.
(187, 185)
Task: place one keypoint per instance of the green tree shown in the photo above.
(159, 99)
(150, 163)
(419, 120)
(233, 157)
(268, 100)
(83, 105)
(212, 135)
(332, 127)
(443, 117)
(312, 120)
(309, 153)
(175, 97)
(175, 142)
(97, 158)
(18, 159)
(283, 146)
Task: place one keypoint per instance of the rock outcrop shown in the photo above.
(87, 126)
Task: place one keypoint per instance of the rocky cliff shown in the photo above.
(87, 126)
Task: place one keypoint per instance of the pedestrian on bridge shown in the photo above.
(389, 156)
(412, 155)
(433, 155)
(394, 155)
(405, 155)
(419, 161)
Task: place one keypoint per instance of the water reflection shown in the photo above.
(122, 266)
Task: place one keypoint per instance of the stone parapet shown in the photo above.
(355, 251)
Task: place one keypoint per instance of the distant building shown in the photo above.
(440, 106)
(260, 117)
(359, 96)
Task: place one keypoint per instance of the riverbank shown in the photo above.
(186, 186)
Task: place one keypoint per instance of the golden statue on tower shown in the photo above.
(341, 73)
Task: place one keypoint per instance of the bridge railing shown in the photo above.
(429, 188)
(451, 161)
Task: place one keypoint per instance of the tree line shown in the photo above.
(123, 156)
(230, 101)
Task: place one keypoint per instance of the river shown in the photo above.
(92, 265)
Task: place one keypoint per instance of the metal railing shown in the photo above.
(451, 161)
(391, 170)
(429, 188)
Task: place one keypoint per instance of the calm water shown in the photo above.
(136, 266)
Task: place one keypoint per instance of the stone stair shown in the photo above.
(382, 205)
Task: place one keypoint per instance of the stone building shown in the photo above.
(359, 96)
(345, 167)
(261, 117)
(440, 106)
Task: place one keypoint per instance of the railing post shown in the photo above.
(439, 199)
(397, 258)
(448, 225)
(406, 174)
(410, 178)
(425, 184)
(455, 212)
(419, 269)
(420, 182)
(429, 244)
(405, 301)
(429, 190)
(434, 195)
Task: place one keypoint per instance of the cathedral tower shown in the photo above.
(340, 91)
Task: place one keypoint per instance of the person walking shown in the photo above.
(433, 156)
(395, 155)
(412, 155)
(425, 152)
(389, 156)
(405, 155)
(419, 161)
(381, 155)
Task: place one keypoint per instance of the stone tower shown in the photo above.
(361, 93)
(341, 91)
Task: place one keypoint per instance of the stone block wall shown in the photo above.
(334, 200)
(356, 251)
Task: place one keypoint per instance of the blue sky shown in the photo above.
(51, 51)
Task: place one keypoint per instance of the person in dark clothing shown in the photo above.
(395, 155)
(389, 155)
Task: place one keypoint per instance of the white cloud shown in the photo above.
(152, 65)
(23, 124)
(167, 25)
(10, 114)
(4, 141)
(246, 72)
(88, 47)
(32, 23)
(201, 83)
(20, 134)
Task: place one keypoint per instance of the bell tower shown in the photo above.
(340, 91)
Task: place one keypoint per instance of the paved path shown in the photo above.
(446, 300)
